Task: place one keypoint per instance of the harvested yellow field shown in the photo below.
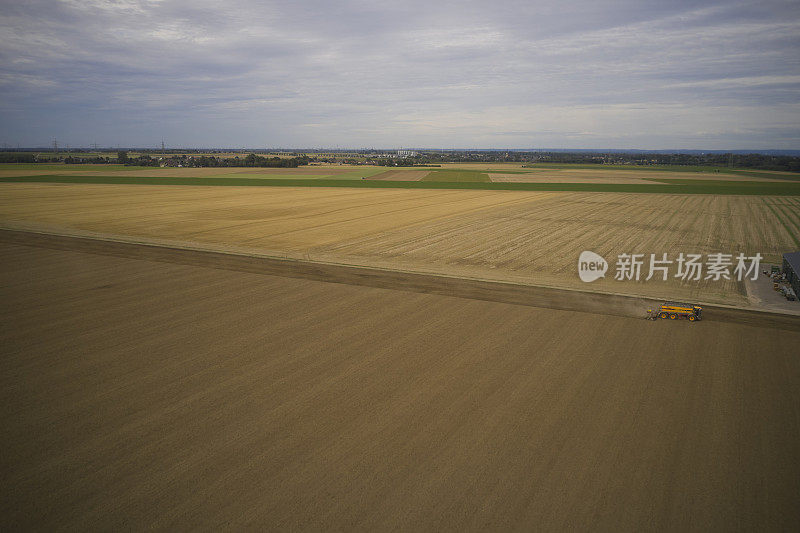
(541, 242)
(527, 237)
(293, 221)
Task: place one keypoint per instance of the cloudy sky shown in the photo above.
(368, 73)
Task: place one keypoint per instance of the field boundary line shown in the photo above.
(672, 186)
(471, 288)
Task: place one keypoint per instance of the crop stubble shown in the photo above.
(530, 237)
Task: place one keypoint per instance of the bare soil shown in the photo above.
(149, 395)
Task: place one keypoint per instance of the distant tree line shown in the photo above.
(146, 160)
(30, 157)
(729, 160)
(17, 157)
(70, 160)
(401, 162)
(724, 160)
(191, 161)
(422, 158)
(251, 160)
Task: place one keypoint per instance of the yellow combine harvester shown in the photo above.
(675, 310)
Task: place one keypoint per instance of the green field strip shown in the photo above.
(792, 176)
(457, 176)
(768, 175)
(744, 186)
(60, 167)
(681, 187)
(257, 176)
(415, 167)
(515, 171)
(358, 173)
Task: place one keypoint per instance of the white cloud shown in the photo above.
(448, 74)
(747, 81)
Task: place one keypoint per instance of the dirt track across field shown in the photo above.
(148, 395)
(530, 295)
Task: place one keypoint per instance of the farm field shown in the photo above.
(400, 175)
(457, 176)
(580, 175)
(508, 177)
(525, 237)
(567, 177)
(671, 186)
(150, 395)
(89, 170)
(448, 172)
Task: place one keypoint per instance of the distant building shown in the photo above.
(406, 153)
(791, 267)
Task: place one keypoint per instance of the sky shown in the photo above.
(590, 74)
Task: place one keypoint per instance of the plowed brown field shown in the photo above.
(143, 395)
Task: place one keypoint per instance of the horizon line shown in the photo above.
(67, 148)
